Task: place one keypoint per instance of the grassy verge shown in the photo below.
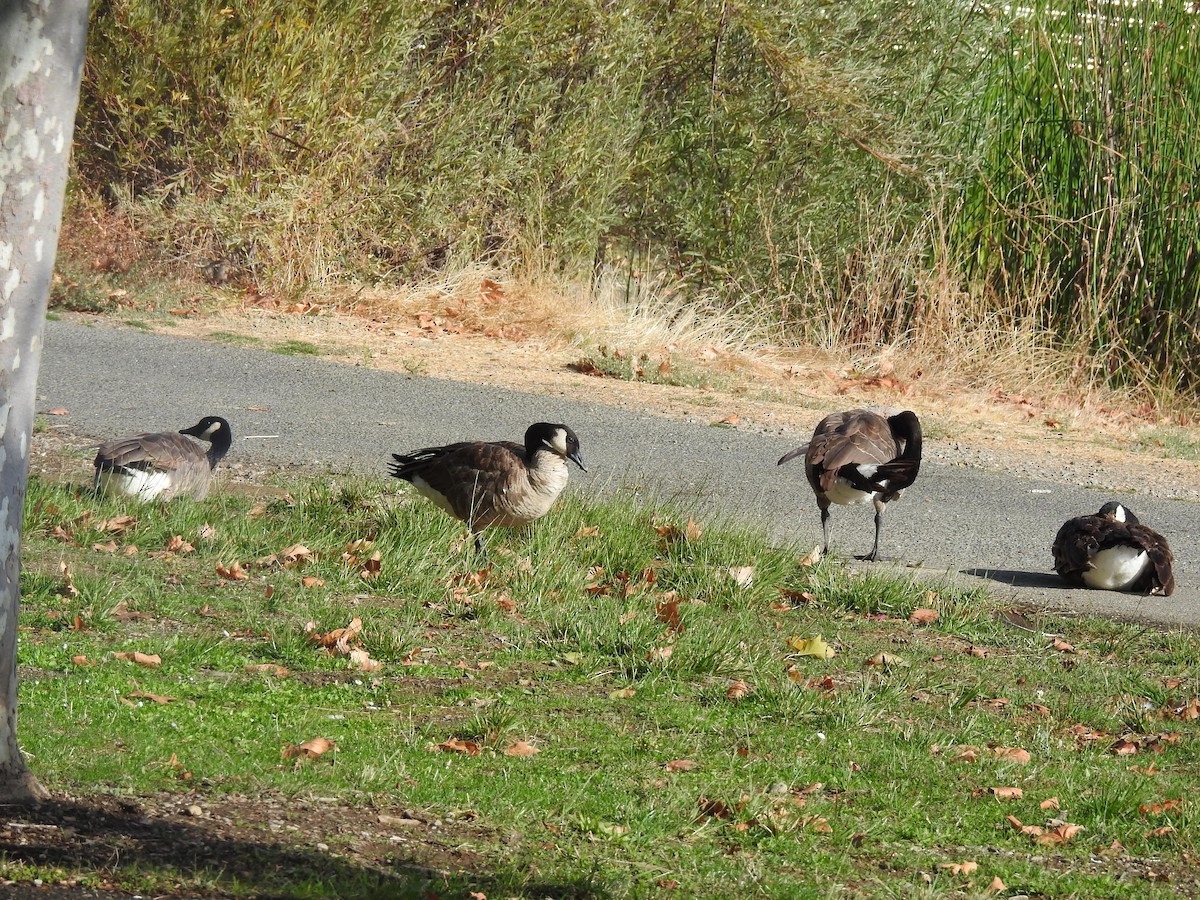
(625, 703)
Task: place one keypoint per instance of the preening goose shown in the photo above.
(500, 483)
(1113, 551)
(860, 456)
(162, 465)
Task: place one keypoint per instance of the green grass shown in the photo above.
(830, 777)
(1171, 442)
(236, 339)
(296, 348)
(632, 366)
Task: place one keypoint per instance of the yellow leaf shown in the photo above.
(622, 694)
(813, 646)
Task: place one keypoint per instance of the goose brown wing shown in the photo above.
(850, 439)
(1162, 578)
(164, 452)
(1075, 544)
(470, 476)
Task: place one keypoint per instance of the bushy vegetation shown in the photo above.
(854, 173)
(732, 144)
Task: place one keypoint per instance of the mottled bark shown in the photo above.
(41, 58)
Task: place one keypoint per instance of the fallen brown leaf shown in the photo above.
(962, 868)
(739, 690)
(310, 749)
(234, 572)
(1012, 754)
(454, 745)
(1007, 793)
(681, 765)
(142, 659)
(157, 698)
(923, 616)
(521, 749)
(268, 669)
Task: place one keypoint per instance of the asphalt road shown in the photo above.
(325, 416)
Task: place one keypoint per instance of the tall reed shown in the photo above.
(1090, 149)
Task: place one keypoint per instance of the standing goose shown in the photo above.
(162, 465)
(1113, 551)
(501, 483)
(859, 456)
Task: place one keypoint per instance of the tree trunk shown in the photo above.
(41, 58)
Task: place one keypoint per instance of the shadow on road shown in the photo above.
(1018, 578)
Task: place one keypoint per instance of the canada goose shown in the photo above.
(1113, 551)
(859, 456)
(165, 464)
(494, 484)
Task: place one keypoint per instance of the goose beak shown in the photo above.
(577, 458)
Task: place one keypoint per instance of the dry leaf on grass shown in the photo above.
(887, 661)
(811, 558)
(156, 698)
(586, 531)
(811, 646)
(312, 581)
(622, 694)
(454, 745)
(234, 572)
(521, 749)
(1059, 834)
(996, 886)
(659, 654)
(923, 616)
(743, 576)
(150, 660)
(1012, 754)
(310, 749)
(1006, 793)
(962, 868)
(739, 690)
(1049, 803)
(268, 669)
(681, 765)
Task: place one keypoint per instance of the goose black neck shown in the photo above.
(906, 426)
(221, 442)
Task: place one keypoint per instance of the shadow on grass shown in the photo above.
(116, 845)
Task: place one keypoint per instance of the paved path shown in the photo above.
(322, 415)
